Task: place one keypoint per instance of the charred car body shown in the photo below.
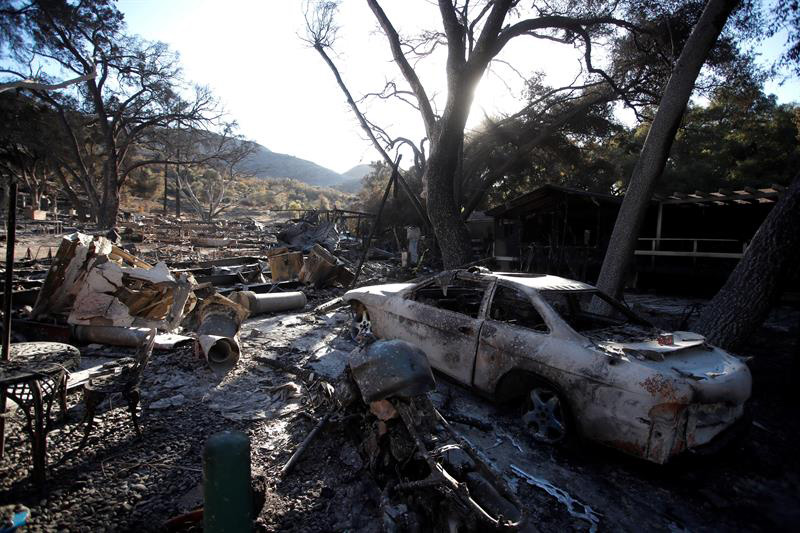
(582, 363)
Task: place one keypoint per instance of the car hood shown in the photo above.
(389, 289)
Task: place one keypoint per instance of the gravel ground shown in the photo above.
(121, 483)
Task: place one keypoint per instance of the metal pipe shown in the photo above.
(298, 453)
(11, 234)
(269, 303)
(111, 335)
(218, 332)
(222, 353)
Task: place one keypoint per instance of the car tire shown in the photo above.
(545, 414)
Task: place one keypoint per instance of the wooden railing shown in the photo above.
(676, 247)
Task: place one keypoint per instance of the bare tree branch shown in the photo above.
(39, 86)
(428, 117)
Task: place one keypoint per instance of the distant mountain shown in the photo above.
(265, 163)
(358, 171)
(353, 177)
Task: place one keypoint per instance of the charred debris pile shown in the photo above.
(171, 274)
(211, 305)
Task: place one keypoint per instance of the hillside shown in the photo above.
(265, 163)
(358, 172)
(353, 177)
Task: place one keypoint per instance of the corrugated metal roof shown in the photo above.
(543, 197)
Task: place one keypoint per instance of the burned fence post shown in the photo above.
(11, 233)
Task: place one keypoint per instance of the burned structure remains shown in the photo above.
(687, 239)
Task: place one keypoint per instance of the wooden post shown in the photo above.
(11, 233)
(166, 184)
(658, 226)
(177, 194)
(178, 185)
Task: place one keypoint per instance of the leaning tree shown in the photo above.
(768, 265)
(659, 140)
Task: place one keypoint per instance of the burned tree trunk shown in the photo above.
(658, 143)
(741, 305)
(450, 229)
(107, 217)
(109, 207)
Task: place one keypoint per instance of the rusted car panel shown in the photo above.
(648, 393)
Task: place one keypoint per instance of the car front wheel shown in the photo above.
(545, 415)
(360, 325)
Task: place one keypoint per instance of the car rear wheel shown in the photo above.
(545, 415)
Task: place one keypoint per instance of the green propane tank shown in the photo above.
(226, 483)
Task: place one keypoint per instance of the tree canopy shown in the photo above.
(626, 51)
(133, 89)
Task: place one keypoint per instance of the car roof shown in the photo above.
(544, 282)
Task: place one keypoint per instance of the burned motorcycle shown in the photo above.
(432, 477)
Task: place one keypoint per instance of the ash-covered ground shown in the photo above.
(121, 483)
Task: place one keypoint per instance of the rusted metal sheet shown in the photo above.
(319, 268)
(284, 265)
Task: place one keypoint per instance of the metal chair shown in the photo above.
(123, 376)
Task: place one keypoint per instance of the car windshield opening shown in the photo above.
(590, 310)
(459, 295)
(515, 307)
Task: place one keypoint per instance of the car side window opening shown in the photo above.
(575, 307)
(514, 307)
(458, 295)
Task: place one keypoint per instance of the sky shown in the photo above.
(283, 96)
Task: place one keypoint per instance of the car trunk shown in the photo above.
(715, 375)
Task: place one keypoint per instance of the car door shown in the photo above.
(514, 335)
(443, 318)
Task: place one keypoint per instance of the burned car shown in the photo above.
(579, 362)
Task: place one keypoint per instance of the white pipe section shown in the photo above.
(269, 303)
